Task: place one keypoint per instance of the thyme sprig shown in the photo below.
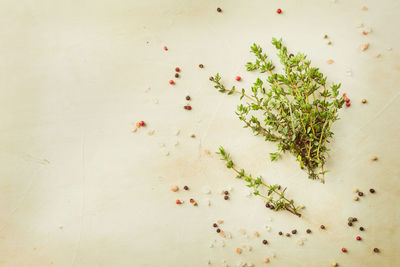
(275, 195)
(298, 107)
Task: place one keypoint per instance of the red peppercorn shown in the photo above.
(177, 69)
(358, 238)
(189, 107)
(344, 95)
(142, 123)
(191, 200)
(178, 202)
(279, 11)
(238, 78)
(348, 104)
(165, 48)
(344, 250)
(171, 82)
(347, 100)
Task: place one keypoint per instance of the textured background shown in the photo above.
(78, 188)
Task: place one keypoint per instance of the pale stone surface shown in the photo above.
(73, 79)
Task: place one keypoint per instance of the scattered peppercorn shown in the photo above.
(355, 198)
(191, 200)
(347, 100)
(219, 10)
(360, 194)
(226, 197)
(279, 11)
(187, 97)
(291, 55)
(178, 202)
(218, 230)
(322, 226)
(186, 187)
(165, 48)
(294, 232)
(188, 107)
(344, 250)
(226, 192)
(358, 238)
(177, 69)
(267, 205)
(376, 250)
(372, 190)
(280, 233)
(211, 78)
(201, 66)
(334, 264)
(215, 225)
(374, 158)
(354, 219)
(287, 234)
(176, 75)
(308, 231)
(238, 78)
(271, 207)
(364, 101)
(350, 224)
(361, 228)
(265, 242)
(171, 82)
(348, 104)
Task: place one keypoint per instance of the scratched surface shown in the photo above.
(78, 188)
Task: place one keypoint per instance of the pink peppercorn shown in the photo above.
(347, 100)
(171, 82)
(178, 202)
(348, 104)
(191, 200)
(344, 250)
(358, 238)
(177, 69)
(238, 78)
(142, 123)
(279, 11)
(165, 48)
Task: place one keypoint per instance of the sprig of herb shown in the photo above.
(298, 107)
(275, 196)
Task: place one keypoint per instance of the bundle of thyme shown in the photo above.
(297, 107)
(275, 197)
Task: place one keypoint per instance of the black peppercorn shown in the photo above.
(350, 224)
(265, 242)
(322, 226)
(187, 97)
(372, 190)
(186, 187)
(308, 231)
(219, 9)
(361, 228)
(226, 197)
(271, 207)
(189, 107)
(211, 78)
(294, 232)
(280, 233)
(376, 250)
(176, 75)
(360, 194)
(279, 187)
(218, 230)
(185, 107)
(354, 219)
(215, 225)
(201, 66)
(226, 193)
(267, 205)
(291, 55)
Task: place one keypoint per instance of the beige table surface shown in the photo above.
(78, 188)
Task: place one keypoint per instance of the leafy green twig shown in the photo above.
(275, 197)
(298, 107)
